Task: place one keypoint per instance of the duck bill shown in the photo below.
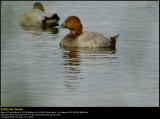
(63, 25)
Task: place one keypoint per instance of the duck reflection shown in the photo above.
(72, 69)
(51, 30)
(71, 60)
(39, 30)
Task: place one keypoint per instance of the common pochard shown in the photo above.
(79, 38)
(37, 17)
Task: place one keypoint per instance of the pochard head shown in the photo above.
(73, 23)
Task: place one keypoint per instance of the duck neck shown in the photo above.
(74, 34)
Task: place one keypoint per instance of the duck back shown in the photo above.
(32, 18)
(92, 39)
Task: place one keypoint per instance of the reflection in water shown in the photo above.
(72, 56)
(72, 63)
(35, 30)
(72, 70)
(90, 50)
(52, 30)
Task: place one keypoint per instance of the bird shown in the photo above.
(38, 17)
(79, 38)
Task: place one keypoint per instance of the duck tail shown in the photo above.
(55, 16)
(113, 41)
(49, 22)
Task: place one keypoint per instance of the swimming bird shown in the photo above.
(37, 17)
(79, 38)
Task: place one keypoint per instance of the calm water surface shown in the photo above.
(35, 71)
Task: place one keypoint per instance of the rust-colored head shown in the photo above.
(73, 23)
(39, 6)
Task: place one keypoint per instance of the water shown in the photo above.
(35, 71)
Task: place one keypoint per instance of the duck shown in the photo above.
(37, 17)
(78, 38)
